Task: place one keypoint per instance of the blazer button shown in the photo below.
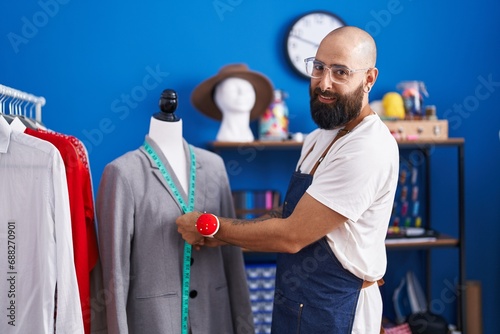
(193, 293)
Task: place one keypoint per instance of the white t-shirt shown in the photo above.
(358, 180)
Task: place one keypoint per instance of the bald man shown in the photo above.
(330, 233)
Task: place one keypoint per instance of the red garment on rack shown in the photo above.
(82, 211)
(400, 329)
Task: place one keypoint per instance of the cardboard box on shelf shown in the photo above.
(418, 129)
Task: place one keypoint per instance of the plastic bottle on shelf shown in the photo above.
(273, 124)
(413, 93)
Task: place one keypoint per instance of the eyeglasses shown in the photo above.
(338, 74)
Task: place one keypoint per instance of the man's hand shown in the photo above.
(186, 226)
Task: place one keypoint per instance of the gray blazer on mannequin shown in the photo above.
(142, 252)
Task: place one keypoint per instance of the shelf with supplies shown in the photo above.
(291, 144)
(271, 144)
(440, 241)
(427, 148)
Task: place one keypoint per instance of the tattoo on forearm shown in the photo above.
(237, 222)
(269, 215)
(246, 221)
(275, 214)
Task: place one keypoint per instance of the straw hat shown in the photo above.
(202, 97)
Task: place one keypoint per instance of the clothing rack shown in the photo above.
(16, 99)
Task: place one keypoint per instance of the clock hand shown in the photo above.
(307, 41)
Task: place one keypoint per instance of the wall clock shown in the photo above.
(305, 34)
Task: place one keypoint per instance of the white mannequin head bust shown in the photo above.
(235, 98)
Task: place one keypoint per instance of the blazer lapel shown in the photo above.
(202, 191)
(159, 176)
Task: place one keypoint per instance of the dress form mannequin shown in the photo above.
(166, 130)
(138, 235)
(235, 97)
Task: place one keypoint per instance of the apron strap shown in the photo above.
(325, 152)
(366, 284)
(307, 154)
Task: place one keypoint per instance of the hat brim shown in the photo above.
(202, 96)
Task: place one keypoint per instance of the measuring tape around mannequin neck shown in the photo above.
(186, 265)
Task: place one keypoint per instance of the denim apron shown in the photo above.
(314, 294)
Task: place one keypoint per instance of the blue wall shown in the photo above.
(102, 66)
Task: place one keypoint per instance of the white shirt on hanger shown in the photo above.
(35, 236)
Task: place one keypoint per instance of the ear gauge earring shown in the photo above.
(368, 89)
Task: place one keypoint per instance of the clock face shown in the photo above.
(305, 34)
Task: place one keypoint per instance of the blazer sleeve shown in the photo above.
(241, 310)
(234, 266)
(115, 219)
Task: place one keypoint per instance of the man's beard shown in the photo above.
(344, 109)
